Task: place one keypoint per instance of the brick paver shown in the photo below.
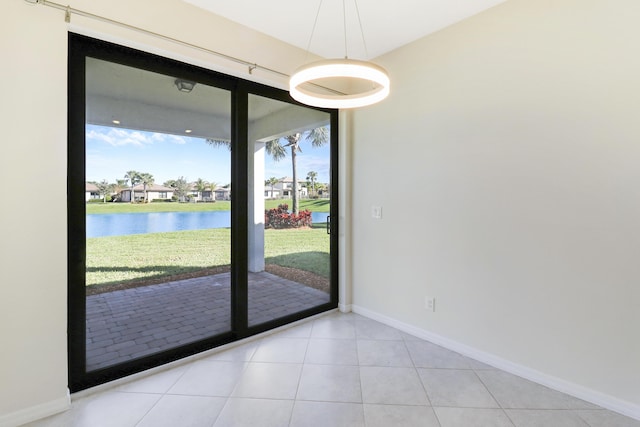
(126, 324)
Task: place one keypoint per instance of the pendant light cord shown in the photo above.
(344, 23)
(344, 30)
(313, 30)
(364, 42)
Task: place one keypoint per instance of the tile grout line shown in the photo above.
(304, 357)
(355, 342)
(361, 329)
(500, 406)
(415, 368)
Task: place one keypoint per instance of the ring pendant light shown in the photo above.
(371, 80)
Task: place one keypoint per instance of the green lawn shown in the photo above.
(318, 205)
(304, 249)
(113, 208)
(123, 259)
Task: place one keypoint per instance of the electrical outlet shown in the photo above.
(430, 304)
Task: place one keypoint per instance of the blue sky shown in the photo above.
(111, 152)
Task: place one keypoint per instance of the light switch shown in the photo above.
(376, 212)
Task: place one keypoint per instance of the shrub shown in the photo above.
(100, 200)
(281, 218)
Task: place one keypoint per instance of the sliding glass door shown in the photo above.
(159, 214)
(199, 210)
(289, 242)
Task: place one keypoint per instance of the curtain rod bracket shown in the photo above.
(252, 67)
(67, 15)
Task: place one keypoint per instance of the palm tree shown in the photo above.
(271, 182)
(311, 177)
(219, 143)
(147, 180)
(318, 137)
(180, 187)
(134, 178)
(321, 188)
(201, 185)
(120, 185)
(213, 185)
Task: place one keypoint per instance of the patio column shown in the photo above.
(256, 206)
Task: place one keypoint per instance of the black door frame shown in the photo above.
(81, 47)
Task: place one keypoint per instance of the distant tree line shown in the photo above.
(181, 188)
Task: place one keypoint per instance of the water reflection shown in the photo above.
(103, 225)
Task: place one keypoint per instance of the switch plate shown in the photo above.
(376, 212)
(430, 304)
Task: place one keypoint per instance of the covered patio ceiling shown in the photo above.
(131, 98)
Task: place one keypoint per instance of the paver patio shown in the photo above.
(130, 323)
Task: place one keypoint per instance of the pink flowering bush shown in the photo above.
(281, 218)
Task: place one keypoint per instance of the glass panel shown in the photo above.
(158, 196)
(289, 247)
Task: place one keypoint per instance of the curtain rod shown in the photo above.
(250, 65)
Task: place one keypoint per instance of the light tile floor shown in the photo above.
(336, 370)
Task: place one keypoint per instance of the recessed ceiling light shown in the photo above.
(187, 131)
(115, 122)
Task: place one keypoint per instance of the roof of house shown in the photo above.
(92, 188)
(152, 187)
(194, 187)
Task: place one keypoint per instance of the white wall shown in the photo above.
(33, 43)
(33, 358)
(507, 165)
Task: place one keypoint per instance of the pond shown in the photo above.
(103, 225)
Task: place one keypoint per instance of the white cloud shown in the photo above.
(175, 139)
(119, 137)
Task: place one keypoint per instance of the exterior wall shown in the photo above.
(285, 189)
(268, 194)
(222, 195)
(153, 195)
(88, 195)
(517, 135)
(206, 196)
(125, 195)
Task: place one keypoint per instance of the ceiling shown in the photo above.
(143, 100)
(386, 24)
(149, 101)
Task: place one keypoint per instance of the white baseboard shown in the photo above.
(592, 396)
(345, 308)
(36, 412)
